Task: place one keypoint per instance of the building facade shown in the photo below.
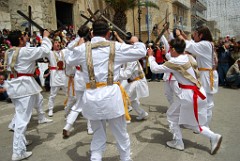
(49, 14)
(184, 14)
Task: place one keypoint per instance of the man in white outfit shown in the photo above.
(79, 84)
(22, 88)
(102, 100)
(171, 87)
(136, 86)
(190, 107)
(58, 76)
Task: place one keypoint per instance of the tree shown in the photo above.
(121, 6)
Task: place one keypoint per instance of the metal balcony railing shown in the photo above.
(182, 27)
(199, 14)
(184, 3)
(202, 3)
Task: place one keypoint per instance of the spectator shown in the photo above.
(47, 79)
(1, 37)
(36, 40)
(3, 92)
(224, 57)
(5, 33)
(233, 75)
(159, 52)
(37, 74)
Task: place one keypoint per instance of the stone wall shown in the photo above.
(4, 15)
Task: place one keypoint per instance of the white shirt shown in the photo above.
(25, 86)
(104, 102)
(57, 77)
(138, 88)
(204, 56)
(79, 83)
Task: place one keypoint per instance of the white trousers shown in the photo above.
(210, 105)
(38, 107)
(173, 117)
(75, 110)
(23, 112)
(118, 127)
(53, 94)
(136, 106)
(171, 88)
(174, 127)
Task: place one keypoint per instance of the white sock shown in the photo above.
(67, 127)
(207, 132)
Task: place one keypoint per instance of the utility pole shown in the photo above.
(133, 22)
(30, 16)
(139, 19)
(148, 22)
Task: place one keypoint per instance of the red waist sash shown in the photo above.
(56, 68)
(21, 74)
(196, 93)
(170, 77)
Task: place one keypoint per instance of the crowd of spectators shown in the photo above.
(228, 53)
(227, 50)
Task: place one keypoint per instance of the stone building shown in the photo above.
(179, 16)
(227, 15)
(47, 13)
(51, 13)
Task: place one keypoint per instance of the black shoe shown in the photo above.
(9, 100)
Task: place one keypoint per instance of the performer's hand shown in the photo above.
(46, 33)
(115, 33)
(150, 52)
(166, 26)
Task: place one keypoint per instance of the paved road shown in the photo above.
(148, 138)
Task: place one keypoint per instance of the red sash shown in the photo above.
(21, 74)
(170, 77)
(56, 68)
(196, 93)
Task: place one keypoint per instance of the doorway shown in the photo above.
(64, 14)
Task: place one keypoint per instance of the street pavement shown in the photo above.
(148, 138)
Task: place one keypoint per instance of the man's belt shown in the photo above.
(126, 100)
(135, 79)
(56, 68)
(170, 77)
(196, 94)
(210, 75)
(21, 74)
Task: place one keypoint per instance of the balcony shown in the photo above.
(201, 15)
(185, 28)
(202, 4)
(199, 5)
(183, 3)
